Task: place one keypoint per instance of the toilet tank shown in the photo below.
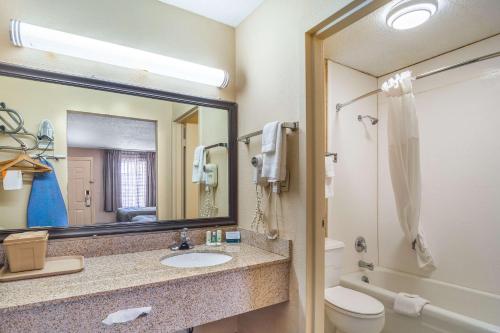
(333, 261)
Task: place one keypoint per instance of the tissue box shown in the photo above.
(26, 251)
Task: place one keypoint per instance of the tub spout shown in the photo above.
(364, 264)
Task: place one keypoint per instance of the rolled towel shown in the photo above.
(329, 174)
(409, 305)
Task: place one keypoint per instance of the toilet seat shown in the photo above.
(353, 303)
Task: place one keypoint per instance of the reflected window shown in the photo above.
(138, 184)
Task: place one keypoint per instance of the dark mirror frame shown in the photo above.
(134, 227)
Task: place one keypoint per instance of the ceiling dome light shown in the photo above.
(409, 14)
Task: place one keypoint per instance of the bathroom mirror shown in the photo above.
(120, 158)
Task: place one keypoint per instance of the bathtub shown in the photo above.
(452, 308)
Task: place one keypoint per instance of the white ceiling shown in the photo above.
(86, 130)
(230, 12)
(372, 47)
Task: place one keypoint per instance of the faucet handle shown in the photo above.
(184, 245)
(184, 235)
(360, 244)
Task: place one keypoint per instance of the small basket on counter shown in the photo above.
(26, 251)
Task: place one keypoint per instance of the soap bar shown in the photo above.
(233, 236)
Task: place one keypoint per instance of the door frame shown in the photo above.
(316, 147)
(180, 154)
(92, 184)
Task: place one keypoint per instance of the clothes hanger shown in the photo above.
(17, 164)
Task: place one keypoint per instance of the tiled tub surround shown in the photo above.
(179, 298)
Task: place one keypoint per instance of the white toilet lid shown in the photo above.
(353, 301)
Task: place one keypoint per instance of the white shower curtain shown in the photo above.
(404, 163)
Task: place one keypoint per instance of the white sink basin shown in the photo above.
(196, 259)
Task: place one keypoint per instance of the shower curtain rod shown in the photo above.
(339, 106)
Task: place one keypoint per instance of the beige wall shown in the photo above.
(37, 101)
(352, 211)
(271, 71)
(458, 121)
(147, 24)
(271, 85)
(98, 181)
(229, 325)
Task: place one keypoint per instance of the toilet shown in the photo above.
(347, 310)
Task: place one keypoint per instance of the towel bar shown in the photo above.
(334, 156)
(246, 138)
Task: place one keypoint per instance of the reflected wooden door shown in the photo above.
(192, 190)
(80, 201)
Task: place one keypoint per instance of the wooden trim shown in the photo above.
(316, 147)
(22, 72)
(182, 118)
(346, 16)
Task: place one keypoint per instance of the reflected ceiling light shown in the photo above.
(409, 14)
(31, 36)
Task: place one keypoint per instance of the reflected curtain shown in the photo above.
(112, 180)
(150, 158)
(404, 163)
(129, 179)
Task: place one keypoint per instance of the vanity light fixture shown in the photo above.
(35, 37)
(408, 14)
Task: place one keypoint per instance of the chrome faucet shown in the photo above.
(184, 244)
(364, 264)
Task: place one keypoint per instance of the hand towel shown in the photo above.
(126, 315)
(198, 163)
(409, 305)
(274, 163)
(13, 180)
(329, 174)
(269, 136)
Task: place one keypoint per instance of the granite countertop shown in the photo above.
(107, 274)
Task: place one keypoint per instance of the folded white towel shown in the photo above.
(409, 305)
(198, 163)
(269, 136)
(329, 174)
(274, 163)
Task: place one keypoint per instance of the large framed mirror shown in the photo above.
(82, 157)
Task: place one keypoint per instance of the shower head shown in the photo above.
(373, 120)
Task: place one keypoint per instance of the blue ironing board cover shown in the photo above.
(46, 206)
